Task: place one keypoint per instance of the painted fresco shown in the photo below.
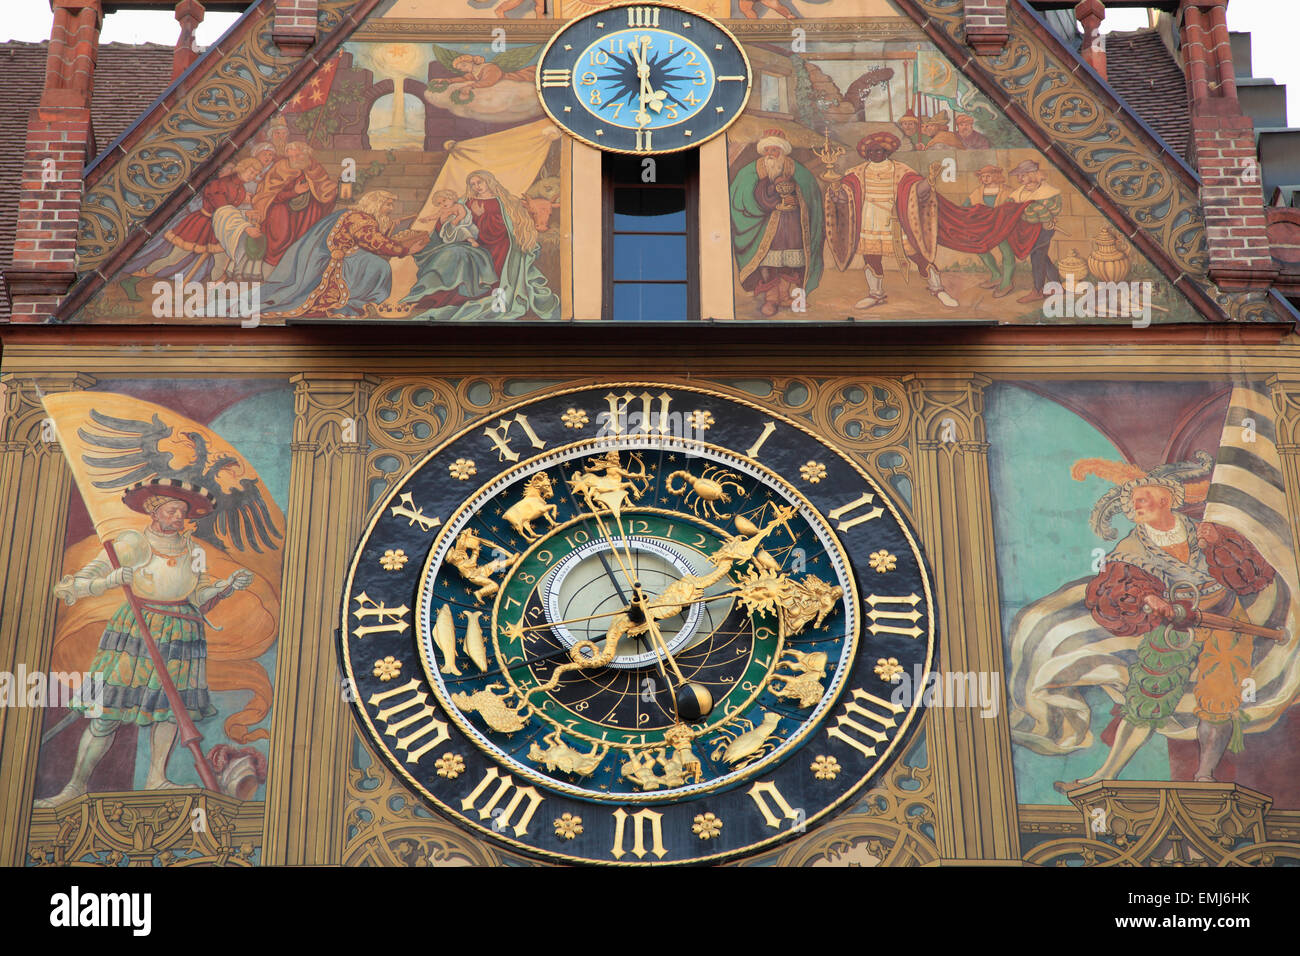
(567, 9)
(402, 181)
(1147, 579)
(870, 179)
(192, 510)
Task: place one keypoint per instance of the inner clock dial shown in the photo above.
(580, 586)
(643, 79)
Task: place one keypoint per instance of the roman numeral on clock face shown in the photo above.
(643, 140)
(389, 619)
(556, 77)
(752, 451)
(640, 820)
(413, 513)
(866, 499)
(768, 789)
(622, 419)
(409, 720)
(500, 436)
(892, 611)
(857, 724)
(501, 816)
(643, 16)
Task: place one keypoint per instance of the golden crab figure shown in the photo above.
(706, 490)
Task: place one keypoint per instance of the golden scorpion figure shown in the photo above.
(707, 488)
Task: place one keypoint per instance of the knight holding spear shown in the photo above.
(163, 575)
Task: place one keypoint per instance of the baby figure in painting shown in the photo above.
(451, 219)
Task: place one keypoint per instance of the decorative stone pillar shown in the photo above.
(311, 729)
(971, 754)
(34, 487)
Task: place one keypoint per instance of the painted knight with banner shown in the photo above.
(1180, 585)
(164, 568)
(152, 656)
(1188, 624)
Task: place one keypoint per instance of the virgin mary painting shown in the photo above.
(475, 262)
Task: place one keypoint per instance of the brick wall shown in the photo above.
(1223, 149)
(1233, 200)
(986, 25)
(59, 141)
(295, 26)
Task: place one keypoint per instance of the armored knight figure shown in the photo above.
(165, 570)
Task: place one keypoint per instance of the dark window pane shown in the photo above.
(629, 169)
(649, 303)
(649, 257)
(650, 210)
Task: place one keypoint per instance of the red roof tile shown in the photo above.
(1140, 68)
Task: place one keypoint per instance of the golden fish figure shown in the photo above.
(474, 645)
(748, 743)
(444, 636)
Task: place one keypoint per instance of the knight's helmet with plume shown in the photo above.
(1187, 482)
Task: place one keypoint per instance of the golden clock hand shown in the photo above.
(657, 637)
(691, 701)
(572, 620)
(643, 74)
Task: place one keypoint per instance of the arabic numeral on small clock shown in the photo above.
(598, 58)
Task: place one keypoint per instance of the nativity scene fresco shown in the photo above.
(420, 180)
(402, 181)
(870, 179)
(1148, 584)
(567, 9)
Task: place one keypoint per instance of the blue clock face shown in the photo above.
(643, 79)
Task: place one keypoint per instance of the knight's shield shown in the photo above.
(841, 229)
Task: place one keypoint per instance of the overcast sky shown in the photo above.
(1272, 23)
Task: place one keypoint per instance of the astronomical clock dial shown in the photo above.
(643, 79)
(637, 623)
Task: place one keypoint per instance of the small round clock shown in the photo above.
(642, 623)
(643, 78)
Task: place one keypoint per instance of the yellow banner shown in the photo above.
(112, 441)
